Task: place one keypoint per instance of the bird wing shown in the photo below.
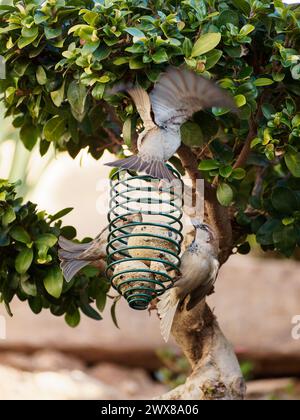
(179, 93)
(142, 102)
(206, 288)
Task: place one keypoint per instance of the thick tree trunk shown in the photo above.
(216, 374)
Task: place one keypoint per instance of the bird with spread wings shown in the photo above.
(176, 96)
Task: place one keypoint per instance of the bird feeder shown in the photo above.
(143, 251)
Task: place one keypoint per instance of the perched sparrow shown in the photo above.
(199, 269)
(177, 95)
(146, 238)
(74, 256)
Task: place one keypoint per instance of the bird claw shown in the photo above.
(152, 306)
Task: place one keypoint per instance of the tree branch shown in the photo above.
(112, 136)
(217, 215)
(215, 373)
(243, 156)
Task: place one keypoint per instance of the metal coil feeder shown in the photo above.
(144, 241)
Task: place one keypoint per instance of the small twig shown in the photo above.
(112, 136)
(243, 156)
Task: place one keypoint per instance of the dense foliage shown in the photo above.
(29, 267)
(64, 55)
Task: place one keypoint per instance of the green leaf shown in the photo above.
(29, 135)
(57, 96)
(268, 110)
(69, 232)
(212, 58)
(73, 318)
(46, 239)
(28, 286)
(292, 160)
(89, 311)
(234, 52)
(228, 16)
(18, 233)
(160, 56)
(9, 216)
(191, 134)
(136, 63)
(135, 32)
(187, 47)
(284, 200)
(29, 32)
(247, 29)
(54, 128)
(51, 33)
(41, 76)
(60, 214)
(264, 235)
(240, 100)
(24, 41)
(24, 260)
(121, 60)
(243, 5)
(226, 171)
(209, 165)
(53, 282)
(77, 94)
(296, 72)
(101, 300)
(225, 194)
(104, 79)
(238, 173)
(296, 121)
(98, 91)
(263, 81)
(113, 313)
(205, 43)
(220, 111)
(36, 304)
(285, 239)
(278, 77)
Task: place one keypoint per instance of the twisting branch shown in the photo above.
(216, 373)
(112, 136)
(217, 215)
(243, 156)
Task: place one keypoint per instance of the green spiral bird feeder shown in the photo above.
(145, 236)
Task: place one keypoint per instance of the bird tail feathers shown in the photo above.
(155, 168)
(69, 255)
(167, 307)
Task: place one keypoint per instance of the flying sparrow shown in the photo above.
(177, 95)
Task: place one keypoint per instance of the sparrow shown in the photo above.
(75, 256)
(199, 269)
(176, 96)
